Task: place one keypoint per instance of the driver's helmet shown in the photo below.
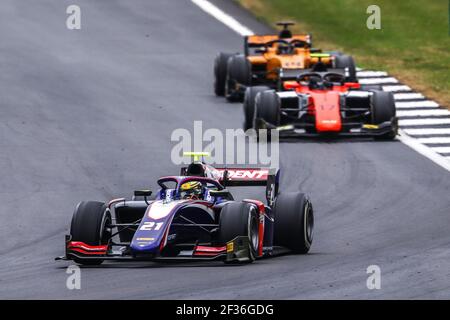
(191, 190)
(284, 48)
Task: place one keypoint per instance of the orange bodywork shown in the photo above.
(271, 60)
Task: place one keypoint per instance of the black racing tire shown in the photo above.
(239, 219)
(88, 225)
(267, 107)
(239, 72)
(346, 61)
(382, 110)
(294, 222)
(220, 73)
(249, 104)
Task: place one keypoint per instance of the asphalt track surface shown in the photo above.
(88, 115)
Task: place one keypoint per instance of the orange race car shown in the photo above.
(267, 57)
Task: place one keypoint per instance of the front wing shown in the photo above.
(299, 130)
(236, 250)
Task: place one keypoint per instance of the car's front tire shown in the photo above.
(383, 110)
(240, 219)
(90, 225)
(294, 222)
(249, 104)
(239, 74)
(220, 73)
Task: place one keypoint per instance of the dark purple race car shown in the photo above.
(193, 217)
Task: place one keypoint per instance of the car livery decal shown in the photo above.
(160, 209)
(154, 225)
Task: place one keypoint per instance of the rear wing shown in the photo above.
(256, 41)
(250, 177)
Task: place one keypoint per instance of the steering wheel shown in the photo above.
(333, 77)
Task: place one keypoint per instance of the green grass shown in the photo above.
(413, 45)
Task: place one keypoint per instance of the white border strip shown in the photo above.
(378, 80)
(427, 131)
(435, 140)
(396, 88)
(442, 149)
(226, 19)
(423, 113)
(416, 104)
(424, 122)
(424, 150)
(408, 96)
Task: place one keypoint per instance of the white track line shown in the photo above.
(437, 140)
(226, 19)
(425, 151)
(408, 96)
(423, 113)
(423, 122)
(396, 88)
(428, 131)
(442, 149)
(411, 142)
(416, 104)
(378, 80)
(371, 74)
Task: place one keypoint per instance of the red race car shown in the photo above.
(321, 102)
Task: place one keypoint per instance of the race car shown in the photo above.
(266, 56)
(321, 102)
(193, 217)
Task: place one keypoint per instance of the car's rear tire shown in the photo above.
(220, 73)
(239, 219)
(344, 62)
(239, 72)
(382, 110)
(294, 222)
(89, 225)
(249, 104)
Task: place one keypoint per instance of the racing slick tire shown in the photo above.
(240, 219)
(239, 73)
(294, 222)
(382, 110)
(346, 61)
(88, 225)
(249, 104)
(267, 111)
(220, 73)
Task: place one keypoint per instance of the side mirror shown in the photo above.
(142, 193)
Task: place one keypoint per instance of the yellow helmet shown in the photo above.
(191, 189)
(190, 185)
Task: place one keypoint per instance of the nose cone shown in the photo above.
(327, 111)
(143, 244)
(329, 125)
(153, 226)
